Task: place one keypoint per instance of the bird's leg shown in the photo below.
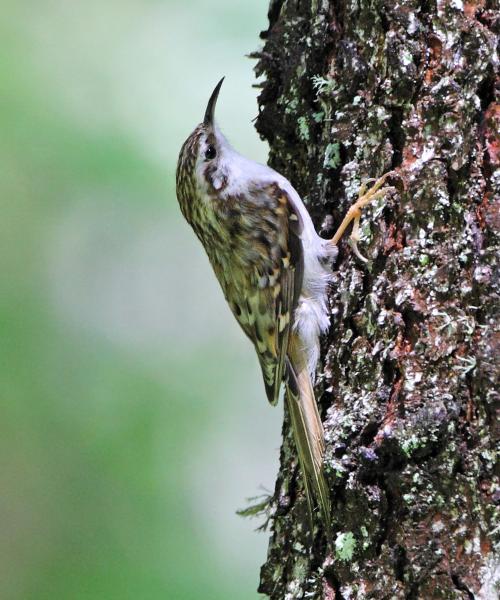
(354, 213)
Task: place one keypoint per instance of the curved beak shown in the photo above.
(209, 113)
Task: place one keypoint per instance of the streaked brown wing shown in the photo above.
(272, 283)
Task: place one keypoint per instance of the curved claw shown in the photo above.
(364, 186)
(354, 212)
(354, 245)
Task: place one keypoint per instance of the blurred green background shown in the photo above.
(133, 418)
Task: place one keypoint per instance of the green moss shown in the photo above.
(332, 156)
(366, 540)
(291, 106)
(410, 445)
(303, 129)
(345, 544)
(323, 85)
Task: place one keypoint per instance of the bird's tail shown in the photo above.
(309, 436)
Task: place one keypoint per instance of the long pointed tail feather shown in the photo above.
(309, 437)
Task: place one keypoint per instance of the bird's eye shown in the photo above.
(210, 153)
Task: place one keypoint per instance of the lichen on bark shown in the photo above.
(407, 388)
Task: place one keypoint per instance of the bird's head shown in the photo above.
(202, 166)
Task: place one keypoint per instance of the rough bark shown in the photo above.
(354, 88)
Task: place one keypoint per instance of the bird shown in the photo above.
(274, 271)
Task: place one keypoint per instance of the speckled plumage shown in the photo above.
(254, 247)
(273, 269)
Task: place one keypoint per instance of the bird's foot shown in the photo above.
(365, 196)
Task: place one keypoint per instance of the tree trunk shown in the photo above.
(407, 386)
